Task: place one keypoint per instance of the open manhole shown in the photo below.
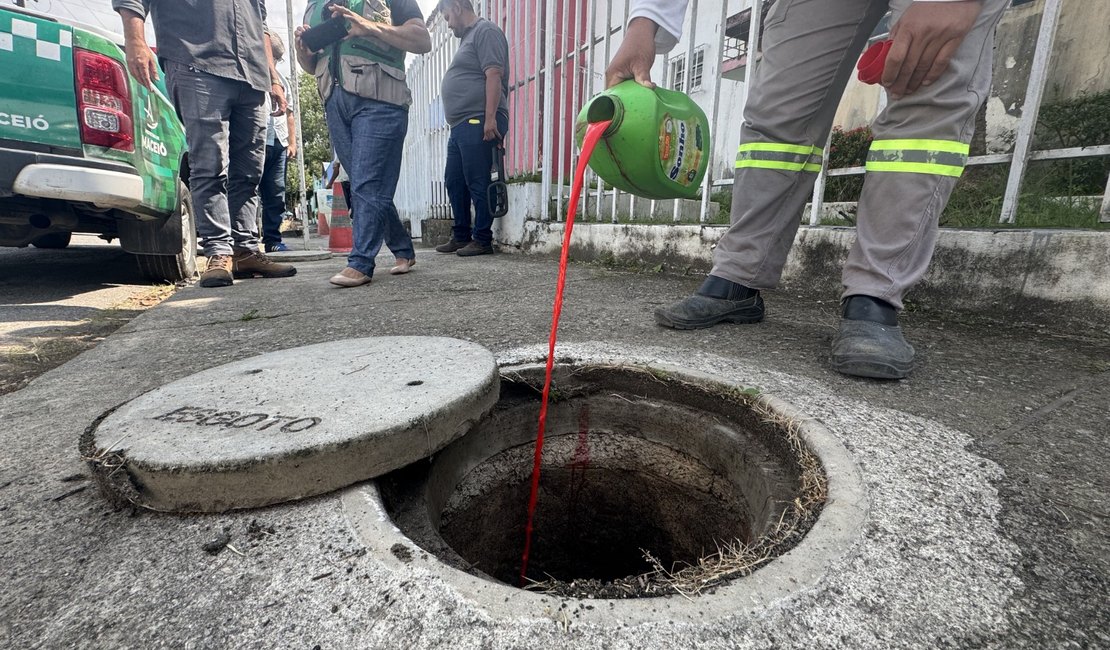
(653, 483)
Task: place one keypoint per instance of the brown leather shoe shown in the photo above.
(218, 272)
(254, 264)
(402, 267)
(349, 277)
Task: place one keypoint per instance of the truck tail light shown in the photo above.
(103, 101)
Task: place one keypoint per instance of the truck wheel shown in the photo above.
(52, 240)
(182, 266)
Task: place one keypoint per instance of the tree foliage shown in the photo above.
(317, 145)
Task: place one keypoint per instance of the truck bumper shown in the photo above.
(101, 187)
(105, 184)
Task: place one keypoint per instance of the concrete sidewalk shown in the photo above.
(987, 475)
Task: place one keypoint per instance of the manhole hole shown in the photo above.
(654, 483)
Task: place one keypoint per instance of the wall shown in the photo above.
(1052, 276)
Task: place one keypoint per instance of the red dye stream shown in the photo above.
(593, 135)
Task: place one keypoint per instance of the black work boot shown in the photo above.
(869, 342)
(451, 246)
(717, 301)
(475, 247)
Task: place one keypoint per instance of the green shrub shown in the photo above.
(847, 149)
(1083, 121)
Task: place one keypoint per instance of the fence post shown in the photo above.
(1104, 212)
(818, 201)
(547, 157)
(1030, 109)
(714, 142)
(295, 106)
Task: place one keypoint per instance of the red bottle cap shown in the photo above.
(871, 64)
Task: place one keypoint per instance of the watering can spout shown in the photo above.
(605, 108)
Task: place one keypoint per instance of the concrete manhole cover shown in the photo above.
(657, 481)
(292, 423)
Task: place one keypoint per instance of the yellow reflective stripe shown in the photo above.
(947, 146)
(914, 168)
(779, 164)
(780, 148)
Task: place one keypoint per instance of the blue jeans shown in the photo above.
(272, 191)
(225, 128)
(469, 160)
(368, 137)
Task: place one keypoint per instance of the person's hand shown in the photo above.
(636, 55)
(277, 99)
(291, 149)
(489, 130)
(361, 27)
(924, 40)
(303, 53)
(141, 62)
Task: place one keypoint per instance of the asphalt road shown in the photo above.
(55, 304)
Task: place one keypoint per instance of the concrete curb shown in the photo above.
(311, 255)
(300, 256)
(1056, 275)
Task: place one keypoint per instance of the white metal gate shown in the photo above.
(558, 53)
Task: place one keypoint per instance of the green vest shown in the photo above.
(366, 67)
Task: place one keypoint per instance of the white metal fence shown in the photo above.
(558, 53)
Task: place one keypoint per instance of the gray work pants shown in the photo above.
(810, 48)
(225, 128)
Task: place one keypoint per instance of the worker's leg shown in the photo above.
(810, 48)
(918, 153)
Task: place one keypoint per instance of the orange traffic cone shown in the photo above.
(322, 224)
(340, 235)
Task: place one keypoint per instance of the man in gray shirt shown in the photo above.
(475, 94)
(219, 68)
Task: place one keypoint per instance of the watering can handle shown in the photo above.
(497, 196)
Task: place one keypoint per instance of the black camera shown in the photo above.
(328, 32)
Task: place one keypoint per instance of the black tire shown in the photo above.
(182, 266)
(53, 240)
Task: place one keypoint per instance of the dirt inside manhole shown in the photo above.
(652, 484)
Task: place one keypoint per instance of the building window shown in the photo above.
(697, 71)
(678, 73)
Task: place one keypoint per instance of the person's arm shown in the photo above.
(635, 56)
(653, 26)
(924, 40)
(492, 50)
(411, 36)
(291, 148)
(667, 14)
(277, 91)
(141, 62)
(493, 101)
